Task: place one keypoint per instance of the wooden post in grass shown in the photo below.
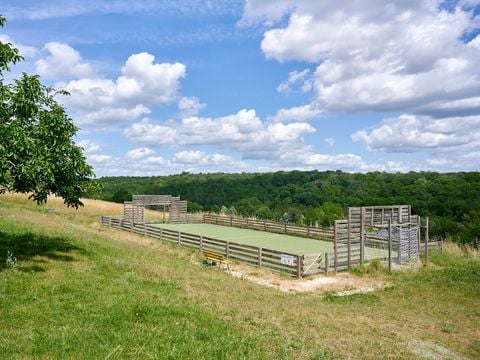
(227, 249)
(335, 247)
(426, 240)
(144, 229)
(259, 257)
(389, 244)
(110, 221)
(231, 220)
(327, 265)
(160, 234)
(362, 234)
(419, 236)
(201, 243)
(349, 240)
(285, 228)
(179, 239)
(299, 266)
(131, 225)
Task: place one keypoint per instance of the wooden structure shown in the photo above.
(392, 228)
(272, 259)
(177, 208)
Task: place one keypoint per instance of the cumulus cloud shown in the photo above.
(62, 62)
(243, 132)
(143, 83)
(189, 106)
(409, 133)
(296, 79)
(297, 114)
(375, 55)
(138, 153)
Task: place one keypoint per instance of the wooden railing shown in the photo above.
(272, 259)
(270, 226)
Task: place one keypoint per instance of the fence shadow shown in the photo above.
(25, 246)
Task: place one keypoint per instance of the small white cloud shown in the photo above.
(296, 79)
(138, 153)
(189, 106)
(62, 62)
(297, 114)
(329, 141)
(98, 159)
(89, 146)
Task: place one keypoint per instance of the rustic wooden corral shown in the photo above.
(268, 258)
(177, 208)
(270, 226)
(133, 211)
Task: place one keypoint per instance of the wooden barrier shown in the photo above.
(272, 259)
(270, 226)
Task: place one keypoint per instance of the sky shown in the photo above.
(164, 87)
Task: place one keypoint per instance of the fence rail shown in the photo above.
(272, 259)
(270, 226)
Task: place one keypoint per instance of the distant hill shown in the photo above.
(451, 200)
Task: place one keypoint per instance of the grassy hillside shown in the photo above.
(82, 291)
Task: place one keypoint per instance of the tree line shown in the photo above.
(451, 200)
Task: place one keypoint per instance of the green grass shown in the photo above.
(84, 291)
(288, 243)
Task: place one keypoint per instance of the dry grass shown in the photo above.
(115, 272)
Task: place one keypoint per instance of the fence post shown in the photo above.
(144, 229)
(362, 235)
(426, 241)
(131, 225)
(179, 242)
(335, 255)
(299, 266)
(264, 225)
(285, 228)
(201, 243)
(259, 257)
(161, 233)
(110, 221)
(389, 244)
(231, 220)
(308, 230)
(227, 249)
(349, 240)
(327, 265)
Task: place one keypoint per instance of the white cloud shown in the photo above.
(89, 146)
(409, 133)
(329, 141)
(189, 106)
(243, 132)
(98, 159)
(143, 83)
(63, 61)
(299, 113)
(138, 153)
(24, 50)
(296, 79)
(375, 55)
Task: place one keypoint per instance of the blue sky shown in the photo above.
(161, 87)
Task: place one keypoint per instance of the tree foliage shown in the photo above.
(37, 151)
(451, 200)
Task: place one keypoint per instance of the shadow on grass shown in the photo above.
(25, 246)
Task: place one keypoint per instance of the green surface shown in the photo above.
(288, 243)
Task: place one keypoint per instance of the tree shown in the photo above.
(37, 151)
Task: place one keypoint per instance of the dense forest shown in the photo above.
(451, 200)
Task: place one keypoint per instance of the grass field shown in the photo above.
(288, 243)
(83, 291)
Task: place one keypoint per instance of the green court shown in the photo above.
(288, 243)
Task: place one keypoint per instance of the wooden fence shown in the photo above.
(272, 259)
(270, 226)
